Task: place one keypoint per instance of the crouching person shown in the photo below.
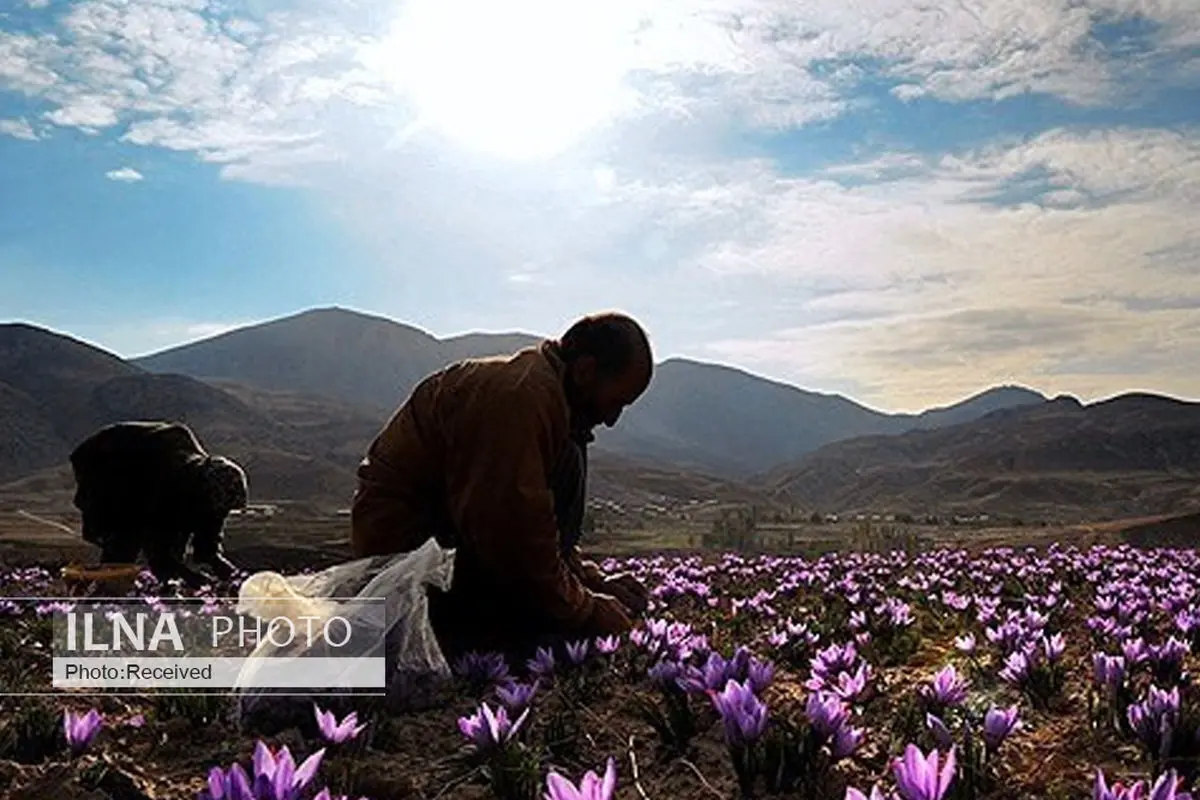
(150, 487)
(489, 457)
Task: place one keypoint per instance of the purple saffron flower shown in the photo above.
(739, 665)
(948, 688)
(921, 777)
(80, 729)
(716, 672)
(760, 674)
(607, 645)
(591, 786)
(487, 729)
(1168, 787)
(1135, 651)
(744, 716)
(233, 784)
(998, 724)
(1170, 653)
(826, 713)
(1108, 671)
(845, 741)
(577, 652)
(965, 644)
(516, 697)
(855, 794)
(1054, 647)
(1016, 669)
(482, 668)
(336, 732)
(542, 664)
(276, 776)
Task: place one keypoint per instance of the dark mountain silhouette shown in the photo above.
(1131, 455)
(56, 390)
(695, 416)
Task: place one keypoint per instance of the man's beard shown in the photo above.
(584, 416)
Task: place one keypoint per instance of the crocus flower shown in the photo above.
(1167, 787)
(998, 724)
(855, 794)
(80, 729)
(608, 645)
(516, 697)
(965, 644)
(276, 776)
(1108, 671)
(1016, 669)
(591, 786)
(744, 716)
(948, 688)
(577, 652)
(921, 777)
(336, 732)
(845, 741)
(542, 664)
(231, 784)
(826, 713)
(487, 729)
(482, 668)
(760, 674)
(1054, 646)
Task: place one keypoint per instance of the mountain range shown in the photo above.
(297, 400)
(695, 416)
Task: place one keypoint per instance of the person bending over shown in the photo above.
(489, 456)
(149, 486)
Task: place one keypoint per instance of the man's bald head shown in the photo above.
(616, 341)
(609, 365)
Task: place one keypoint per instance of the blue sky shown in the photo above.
(900, 203)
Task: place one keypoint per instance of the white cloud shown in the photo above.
(18, 129)
(125, 175)
(831, 278)
(233, 88)
(919, 292)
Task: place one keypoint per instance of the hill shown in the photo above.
(695, 416)
(295, 446)
(56, 390)
(1132, 455)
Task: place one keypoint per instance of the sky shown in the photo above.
(901, 202)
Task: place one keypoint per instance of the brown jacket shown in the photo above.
(468, 458)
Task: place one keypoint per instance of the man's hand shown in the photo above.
(609, 617)
(630, 591)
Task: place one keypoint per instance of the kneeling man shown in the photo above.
(489, 456)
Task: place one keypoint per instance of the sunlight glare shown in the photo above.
(521, 80)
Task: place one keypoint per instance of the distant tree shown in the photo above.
(734, 529)
(815, 518)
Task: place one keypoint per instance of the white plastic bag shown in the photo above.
(414, 659)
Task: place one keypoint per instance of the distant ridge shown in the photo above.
(696, 416)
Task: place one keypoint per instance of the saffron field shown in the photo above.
(1050, 673)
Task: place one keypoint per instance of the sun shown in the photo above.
(519, 80)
